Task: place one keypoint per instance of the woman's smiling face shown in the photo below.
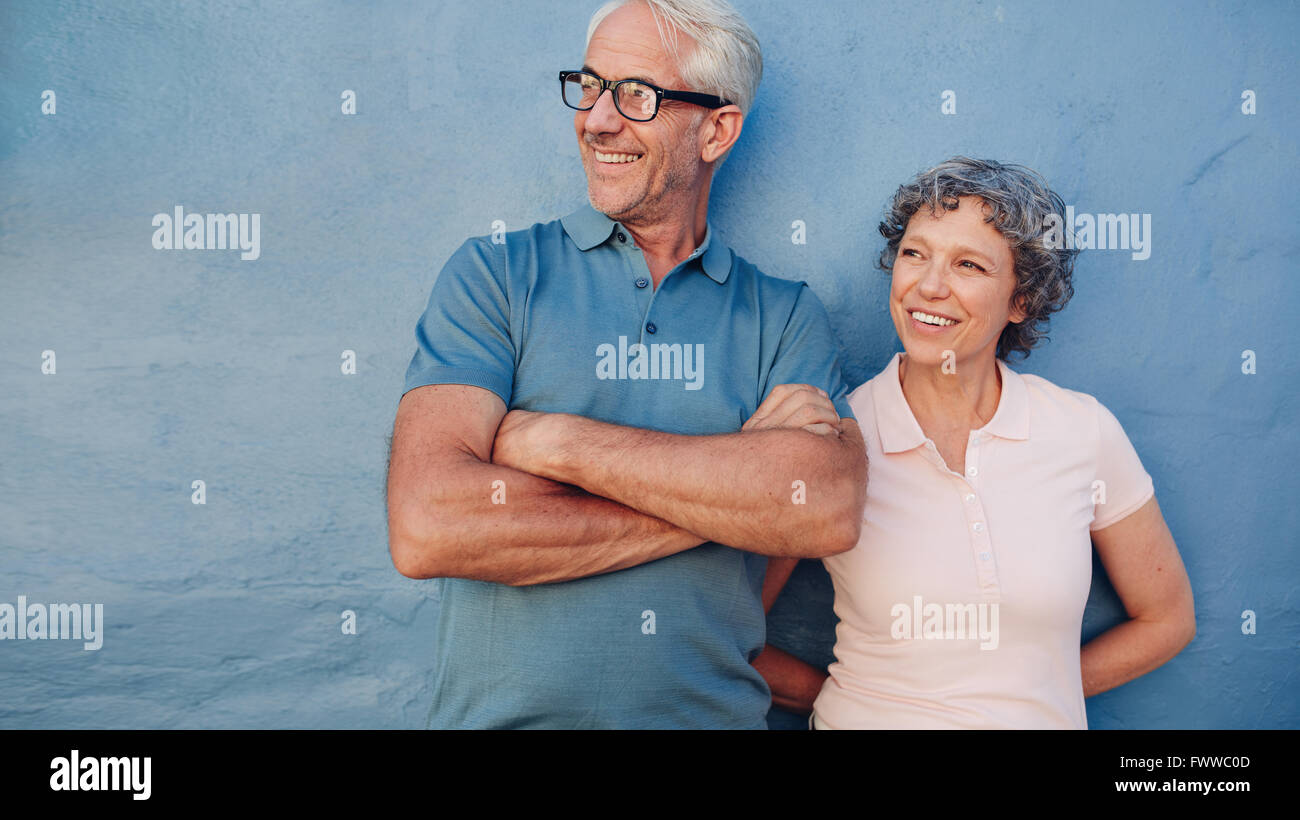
(952, 284)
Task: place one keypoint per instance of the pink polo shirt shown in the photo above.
(962, 604)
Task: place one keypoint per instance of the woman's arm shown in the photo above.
(794, 684)
(1143, 564)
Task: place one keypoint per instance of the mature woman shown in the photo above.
(962, 603)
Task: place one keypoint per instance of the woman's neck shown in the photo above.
(964, 396)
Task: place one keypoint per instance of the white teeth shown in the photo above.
(931, 320)
(617, 157)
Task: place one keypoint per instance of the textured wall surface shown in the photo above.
(176, 366)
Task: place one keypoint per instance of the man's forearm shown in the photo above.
(491, 523)
(785, 492)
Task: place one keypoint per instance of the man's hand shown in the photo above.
(797, 405)
(730, 488)
(444, 519)
(525, 439)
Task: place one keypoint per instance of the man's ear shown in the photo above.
(719, 131)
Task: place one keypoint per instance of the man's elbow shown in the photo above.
(835, 531)
(410, 560)
(416, 550)
(843, 528)
(836, 536)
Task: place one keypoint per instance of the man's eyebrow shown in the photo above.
(647, 80)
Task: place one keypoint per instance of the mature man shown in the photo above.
(581, 536)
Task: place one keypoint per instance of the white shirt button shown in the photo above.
(972, 471)
(970, 498)
(978, 526)
(984, 556)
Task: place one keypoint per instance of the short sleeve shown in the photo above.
(1125, 486)
(464, 335)
(809, 354)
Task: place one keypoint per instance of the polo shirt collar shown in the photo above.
(898, 428)
(588, 227)
(715, 258)
(900, 432)
(1012, 417)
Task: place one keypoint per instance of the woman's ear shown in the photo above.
(1018, 311)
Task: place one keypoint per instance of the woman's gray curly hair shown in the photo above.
(1019, 202)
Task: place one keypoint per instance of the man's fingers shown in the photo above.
(782, 408)
(774, 398)
(823, 429)
(813, 414)
(794, 406)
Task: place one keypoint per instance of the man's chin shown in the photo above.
(610, 203)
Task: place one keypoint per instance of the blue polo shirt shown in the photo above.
(563, 317)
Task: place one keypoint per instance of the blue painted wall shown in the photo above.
(174, 366)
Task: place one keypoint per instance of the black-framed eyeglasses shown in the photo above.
(635, 99)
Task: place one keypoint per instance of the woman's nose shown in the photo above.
(931, 283)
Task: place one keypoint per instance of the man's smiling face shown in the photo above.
(638, 172)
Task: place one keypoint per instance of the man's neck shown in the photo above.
(666, 242)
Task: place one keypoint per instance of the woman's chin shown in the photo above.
(928, 355)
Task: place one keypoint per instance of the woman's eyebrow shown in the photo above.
(967, 250)
(959, 250)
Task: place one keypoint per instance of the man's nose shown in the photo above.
(603, 118)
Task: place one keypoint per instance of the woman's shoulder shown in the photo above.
(1041, 390)
(1070, 412)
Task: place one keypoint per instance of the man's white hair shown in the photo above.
(726, 60)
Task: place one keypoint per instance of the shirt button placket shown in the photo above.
(981, 545)
(640, 279)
